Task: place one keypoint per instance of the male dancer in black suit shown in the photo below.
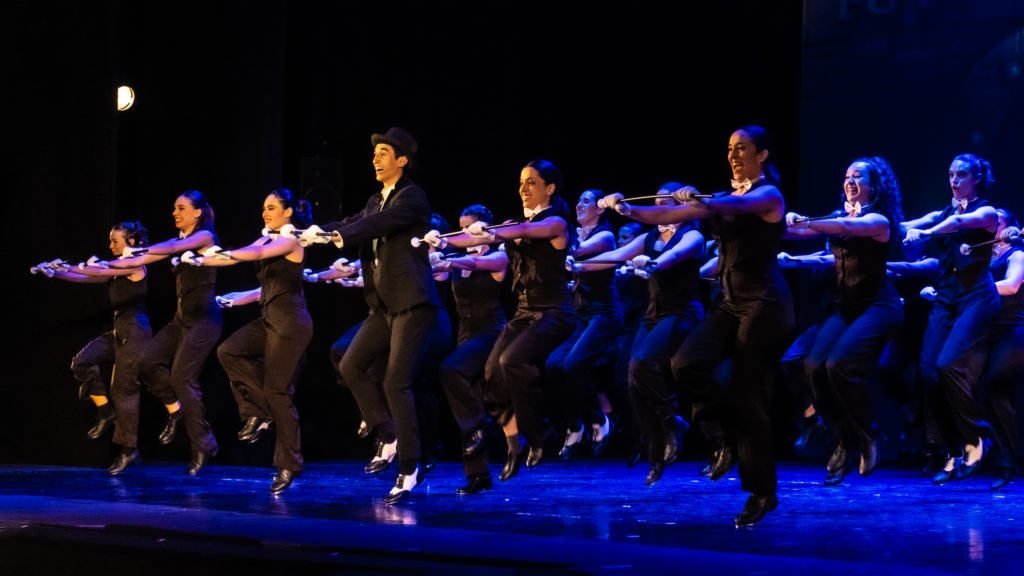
(403, 305)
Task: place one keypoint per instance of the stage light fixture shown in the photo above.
(125, 98)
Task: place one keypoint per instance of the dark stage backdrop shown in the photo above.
(232, 95)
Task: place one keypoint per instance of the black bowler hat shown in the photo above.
(398, 139)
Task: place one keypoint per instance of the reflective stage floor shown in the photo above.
(589, 516)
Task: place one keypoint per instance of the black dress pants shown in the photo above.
(439, 344)
(1005, 373)
(843, 358)
(752, 326)
(794, 370)
(958, 328)
(650, 381)
(569, 365)
(262, 361)
(462, 377)
(171, 366)
(123, 348)
(513, 368)
(401, 337)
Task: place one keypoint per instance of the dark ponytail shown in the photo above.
(982, 169)
(199, 202)
(302, 213)
(481, 213)
(763, 141)
(133, 231)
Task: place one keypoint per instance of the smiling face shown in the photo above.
(186, 216)
(857, 185)
(963, 180)
(118, 242)
(587, 211)
(274, 214)
(389, 168)
(744, 157)
(533, 190)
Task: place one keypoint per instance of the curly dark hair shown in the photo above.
(885, 194)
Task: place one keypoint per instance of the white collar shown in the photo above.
(531, 213)
(386, 192)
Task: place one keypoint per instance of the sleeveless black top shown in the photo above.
(478, 303)
(673, 289)
(594, 292)
(280, 282)
(1011, 308)
(538, 268)
(127, 297)
(196, 287)
(748, 246)
(860, 266)
(970, 270)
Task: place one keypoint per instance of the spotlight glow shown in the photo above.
(125, 98)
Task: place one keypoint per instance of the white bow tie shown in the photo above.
(667, 228)
(745, 185)
(181, 234)
(475, 249)
(854, 208)
(583, 232)
(531, 213)
(962, 204)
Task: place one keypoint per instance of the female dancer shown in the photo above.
(173, 360)
(1006, 344)
(545, 318)
(262, 358)
(850, 342)
(476, 284)
(122, 347)
(752, 324)
(966, 304)
(600, 323)
(674, 252)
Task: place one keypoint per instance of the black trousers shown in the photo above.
(262, 361)
(794, 370)
(1005, 373)
(513, 368)
(650, 381)
(617, 390)
(462, 377)
(568, 368)
(123, 348)
(339, 348)
(958, 328)
(401, 337)
(752, 326)
(171, 366)
(844, 357)
(439, 345)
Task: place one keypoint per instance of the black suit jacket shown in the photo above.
(401, 277)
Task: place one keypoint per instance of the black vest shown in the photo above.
(280, 282)
(538, 268)
(747, 246)
(1011, 308)
(128, 298)
(594, 292)
(478, 303)
(973, 268)
(860, 265)
(672, 289)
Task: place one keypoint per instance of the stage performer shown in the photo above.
(599, 323)
(1006, 344)
(174, 359)
(476, 285)
(262, 359)
(669, 258)
(850, 342)
(966, 305)
(403, 305)
(753, 323)
(545, 317)
(118, 403)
